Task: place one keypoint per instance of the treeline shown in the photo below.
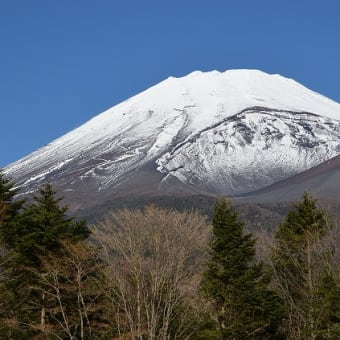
(163, 274)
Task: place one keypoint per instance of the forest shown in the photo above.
(158, 273)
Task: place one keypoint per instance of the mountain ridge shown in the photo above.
(210, 133)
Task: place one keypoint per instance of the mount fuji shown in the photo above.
(207, 133)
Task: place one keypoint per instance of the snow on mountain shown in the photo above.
(255, 148)
(223, 132)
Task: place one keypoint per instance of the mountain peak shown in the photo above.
(236, 89)
(221, 132)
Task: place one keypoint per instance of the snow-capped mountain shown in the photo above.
(253, 149)
(225, 133)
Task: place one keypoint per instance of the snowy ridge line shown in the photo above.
(251, 109)
(230, 154)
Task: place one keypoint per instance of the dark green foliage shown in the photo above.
(7, 191)
(304, 224)
(199, 324)
(42, 225)
(11, 208)
(327, 307)
(245, 307)
(298, 268)
(37, 231)
(9, 215)
(305, 218)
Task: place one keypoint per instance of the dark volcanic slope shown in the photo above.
(322, 181)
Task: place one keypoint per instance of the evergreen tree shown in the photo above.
(298, 270)
(10, 209)
(237, 286)
(327, 307)
(38, 231)
(7, 191)
(9, 218)
(43, 224)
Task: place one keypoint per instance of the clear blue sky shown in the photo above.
(64, 61)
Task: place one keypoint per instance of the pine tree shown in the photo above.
(10, 209)
(236, 285)
(38, 231)
(327, 307)
(297, 266)
(43, 224)
(7, 191)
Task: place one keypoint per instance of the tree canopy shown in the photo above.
(238, 286)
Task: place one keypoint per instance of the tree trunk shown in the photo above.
(310, 316)
(43, 312)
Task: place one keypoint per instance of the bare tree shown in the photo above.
(71, 286)
(154, 257)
